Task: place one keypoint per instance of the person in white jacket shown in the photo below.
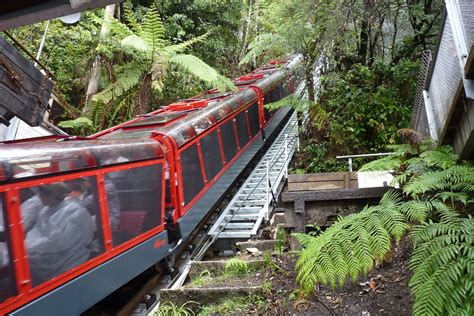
(60, 238)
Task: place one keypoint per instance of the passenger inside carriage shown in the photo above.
(61, 236)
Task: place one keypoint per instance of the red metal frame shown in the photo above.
(261, 106)
(208, 183)
(12, 194)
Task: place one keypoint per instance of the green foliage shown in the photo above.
(81, 125)
(437, 196)
(365, 107)
(139, 59)
(442, 260)
(280, 241)
(234, 305)
(350, 247)
(170, 309)
(68, 50)
(236, 267)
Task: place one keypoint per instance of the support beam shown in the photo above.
(430, 115)
(454, 16)
(33, 11)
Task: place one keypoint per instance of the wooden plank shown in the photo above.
(327, 176)
(334, 195)
(20, 62)
(27, 96)
(306, 186)
(346, 181)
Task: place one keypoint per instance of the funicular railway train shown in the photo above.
(80, 217)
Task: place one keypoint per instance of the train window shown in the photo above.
(134, 199)
(53, 161)
(125, 151)
(202, 124)
(222, 112)
(242, 130)
(253, 119)
(7, 274)
(62, 224)
(211, 154)
(191, 171)
(228, 140)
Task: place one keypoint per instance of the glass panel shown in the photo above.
(253, 119)
(191, 170)
(62, 225)
(7, 274)
(134, 200)
(242, 130)
(125, 151)
(222, 112)
(160, 118)
(202, 124)
(228, 140)
(211, 154)
(128, 134)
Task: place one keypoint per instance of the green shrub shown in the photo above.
(437, 196)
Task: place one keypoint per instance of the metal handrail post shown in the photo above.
(286, 155)
(267, 205)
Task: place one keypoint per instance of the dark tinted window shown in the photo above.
(62, 226)
(7, 274)
(242, 130)
(192, 175)
(253, 119)
(134, 200)
(228, 140)
(211, 154)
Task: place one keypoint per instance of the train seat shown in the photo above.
(131, 222)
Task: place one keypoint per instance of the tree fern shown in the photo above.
(145, 53)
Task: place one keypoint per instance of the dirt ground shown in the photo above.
(383, 292)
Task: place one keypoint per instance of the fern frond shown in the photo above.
(78, 125)
(454, 178)
(442, 157)
(351, 245)
(442, 281)
(183, 47)
(391, 162)
(153, 30)
(260, 44)
(203, 71)
(131, 19)
(416, 210)
(128, 77)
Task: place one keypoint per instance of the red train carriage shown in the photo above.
(81, 217)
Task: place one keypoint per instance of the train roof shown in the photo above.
(20, 160)
(190, 117)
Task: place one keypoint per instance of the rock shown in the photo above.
(252, 250)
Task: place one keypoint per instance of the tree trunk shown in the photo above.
(94, 80)
(245, 27)
(309, 80)
(142, 99)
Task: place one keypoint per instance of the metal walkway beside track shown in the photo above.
(256, 198)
